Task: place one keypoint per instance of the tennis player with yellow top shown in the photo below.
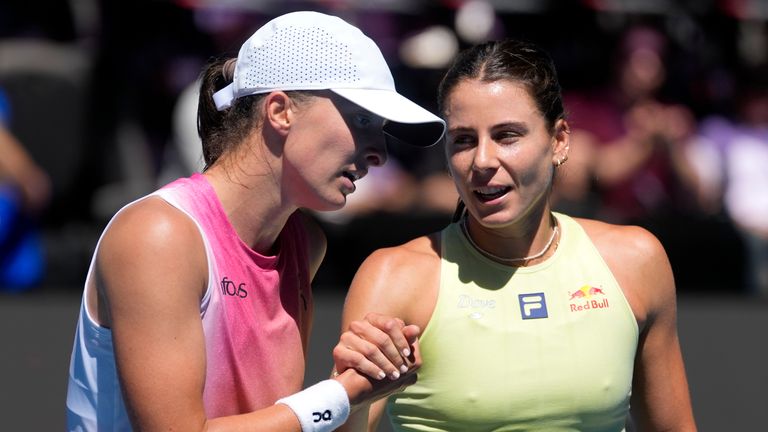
(532, 320)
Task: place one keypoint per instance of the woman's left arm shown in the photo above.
(660, 397)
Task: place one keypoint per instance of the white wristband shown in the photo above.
(320, 408)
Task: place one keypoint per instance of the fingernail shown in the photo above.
(382, 375)
(403, 368)
(406, 352)
(395, 375)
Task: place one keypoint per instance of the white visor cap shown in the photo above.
(314, 51)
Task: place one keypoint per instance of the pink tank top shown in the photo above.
(253, 311)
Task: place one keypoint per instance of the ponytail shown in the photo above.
(219, 130)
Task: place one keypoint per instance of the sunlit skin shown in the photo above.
(350, 142)
(502, 154)
(304, 154)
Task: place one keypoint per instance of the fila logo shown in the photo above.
(533, 306)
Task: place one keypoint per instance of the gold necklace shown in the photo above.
(465, 230)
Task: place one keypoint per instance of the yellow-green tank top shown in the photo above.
(550, 347)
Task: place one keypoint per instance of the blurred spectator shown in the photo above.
(628, 140)
(24, 192)
(731, 161)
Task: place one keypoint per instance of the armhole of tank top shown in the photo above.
(89, 275)
(205, 300)
(438, 299)
(90, 320)
(571, 223)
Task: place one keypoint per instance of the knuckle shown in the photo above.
(381, 339)
(369, 351)
(357, 357)
(352, 326)
(345, 338)
(391, 324)
(338, 351)
(356, 326)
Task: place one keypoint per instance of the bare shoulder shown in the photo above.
(623, 241)
(639, 263)
(398, 269)
(410, 261)
(391, 278)
(151, 244)
(150, 226)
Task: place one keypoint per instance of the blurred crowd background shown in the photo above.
(667, 101)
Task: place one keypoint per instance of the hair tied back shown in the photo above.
(228, 70)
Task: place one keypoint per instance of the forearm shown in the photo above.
(366, 418)
(322, 407)
(357, 422)
(340, 403)
(277, 418)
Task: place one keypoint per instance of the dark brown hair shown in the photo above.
(222, 131)
(511, 60)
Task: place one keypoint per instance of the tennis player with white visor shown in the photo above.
(197, 305)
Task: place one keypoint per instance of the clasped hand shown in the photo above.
(381, 348)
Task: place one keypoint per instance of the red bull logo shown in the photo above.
(582, 299)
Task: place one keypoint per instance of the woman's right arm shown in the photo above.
(386, 285)
(151, 274)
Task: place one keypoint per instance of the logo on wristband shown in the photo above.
(324, 416)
